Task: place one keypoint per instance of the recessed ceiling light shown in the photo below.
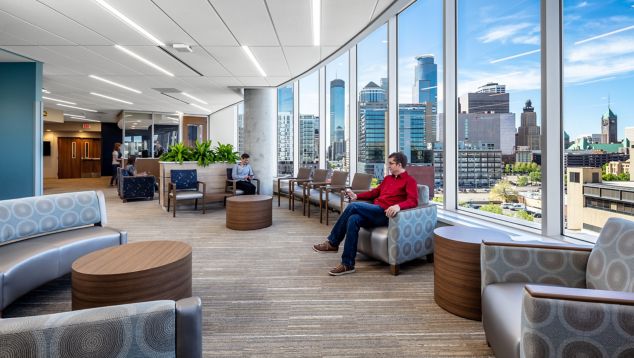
(172, 118)
(247, 50)
(46, 91)
(129, 22)
(83, 109)
(114, 83)
(201, 107)
(48, 130)
(111, 98)
(147, 62)
(74, 115)
(58, 100)
(88, 120)
(316, 22)
(194, 98)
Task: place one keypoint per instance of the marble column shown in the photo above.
(260, 135)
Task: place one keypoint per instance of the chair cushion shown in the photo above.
(334, 201)
(314, 196)
(187, 195)
(502, 317)
(373, 242)
(611, 262)
(184, 179)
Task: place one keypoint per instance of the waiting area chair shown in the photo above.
(300, 188)
(315, 191)
(552, 300)
(231, 184)
(335, 196)
(285, 184)
(184, 185)
(135, 187)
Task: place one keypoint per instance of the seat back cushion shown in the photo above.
(304, 173)
(361, 181)
(320, 175)
(423, 195)
(611, 262)
(184, 179)
(338, 178)
(32, 216)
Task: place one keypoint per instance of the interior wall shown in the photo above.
(52, 131)
(223, 126)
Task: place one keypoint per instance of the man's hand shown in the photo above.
(392, 210)
(351, 194)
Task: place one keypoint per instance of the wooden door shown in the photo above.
(69, 158)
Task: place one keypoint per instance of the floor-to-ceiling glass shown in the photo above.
(372, 86)
(498, 122)
(337, 114)
(240, 125)
(598, 112)
(285, 130)
(165, 133)
(309, 120)
(137, 134)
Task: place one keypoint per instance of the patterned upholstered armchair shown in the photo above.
(147, 329)
(184, 185)
(542, 300)
(135, 187)
(408, 235)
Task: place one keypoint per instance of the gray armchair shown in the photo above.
(285, 184)
(543, 300)
(147, 329)
(408, 236)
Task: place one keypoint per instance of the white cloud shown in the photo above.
(596, 52)
(505, 33)
(582, 4)
(582, 72)
(526, 79)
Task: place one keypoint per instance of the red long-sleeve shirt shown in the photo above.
(395, 189)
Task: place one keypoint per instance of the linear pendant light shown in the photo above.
(194, 98)
(147, 62)
(316, 22)
(110, 98)
(114, 83)
(247, 50)
(58, 100)
(83, 109)
(129, 22)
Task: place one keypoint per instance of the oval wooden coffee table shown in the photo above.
(249, 212)
(457, 268)
(137, 272)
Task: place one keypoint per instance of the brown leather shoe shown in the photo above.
(341, 269)
(325, 247)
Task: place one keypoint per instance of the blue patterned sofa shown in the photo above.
(135, 187)
(543, 300)
(41, 236)
(147, 329)
(408, 236)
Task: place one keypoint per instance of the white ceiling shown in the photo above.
(76, 38)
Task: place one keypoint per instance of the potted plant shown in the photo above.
(203, 153)
(226, 153)
(177, 153)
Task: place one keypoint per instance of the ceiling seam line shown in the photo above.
(277, 36)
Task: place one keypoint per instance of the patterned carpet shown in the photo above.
(266, 293)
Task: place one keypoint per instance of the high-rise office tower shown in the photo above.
(608, 127)
(337, 118)
(528, 133)
(425, 80)
(372, 114)
(285, 130)
(308, 152)
(490, 98)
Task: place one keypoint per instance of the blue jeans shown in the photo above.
(356, 216)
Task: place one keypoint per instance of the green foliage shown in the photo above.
(492, 208)
(177, 153)
(437, 199)
(535, 176)
(508, 169)
(503, 191)
(226, 153)
(203, 153)
(525, 167)
(614, 177)
(523, 180)
(524, 215)
(374, 183)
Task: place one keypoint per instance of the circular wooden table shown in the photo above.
(137, 272)
(249, 212)
(457, 268)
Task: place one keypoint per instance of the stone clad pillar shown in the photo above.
(260, 135)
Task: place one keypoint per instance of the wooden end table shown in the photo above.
(137, 272)
(249, 212)
(457, 268)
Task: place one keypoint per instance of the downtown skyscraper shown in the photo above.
(372, 114)
(337, 147)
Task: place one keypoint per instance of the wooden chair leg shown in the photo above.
(174, 209)
(195, 204)
(168, 203)
(394, 269)
(203, 203)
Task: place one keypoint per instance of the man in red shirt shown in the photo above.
(397, 192)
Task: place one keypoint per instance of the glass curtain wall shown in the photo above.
(337, 114)
(419, 86)
(498, 122)
(598, 71)
(285, 130)
(372, 86)
(137, 134)
(240, 121)
(165, 133)
(309, 120)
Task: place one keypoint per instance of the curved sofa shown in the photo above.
(41, 236)
(146, 329)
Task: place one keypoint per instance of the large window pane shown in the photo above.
(137, 134)
(372, 101)
(309, 121)
(598, 67)
(285, 130)
(240, 122)
(165, 132)
(419, 73)
(337, 114)
(498, 128)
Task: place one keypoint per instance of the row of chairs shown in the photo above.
(315, 187)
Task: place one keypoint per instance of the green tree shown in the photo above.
(535, 176)
(523, 180)
(524, 215)
(508, 169)
(533, 167)
(503, 191)
(492, 208)
(437, 199)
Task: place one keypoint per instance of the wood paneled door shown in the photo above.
(74, 154)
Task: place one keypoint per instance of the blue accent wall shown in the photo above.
(20, 129)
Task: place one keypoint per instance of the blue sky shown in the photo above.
(499, 41)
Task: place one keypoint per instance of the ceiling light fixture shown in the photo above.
(85, 119)
(129, 22)
(46, 91)
(114, 83)
(111, 98)
(83, 109)
(147, 62)
(58, 100)
(194, 98)
(201, 107)
(316, 22)
(247, 50)
(74, 115)
(182, 48)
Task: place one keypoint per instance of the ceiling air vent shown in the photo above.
(167, 90)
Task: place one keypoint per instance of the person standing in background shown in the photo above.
(116, 163)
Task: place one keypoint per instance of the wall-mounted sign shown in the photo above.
(85, 125)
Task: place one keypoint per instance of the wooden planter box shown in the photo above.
(214, 175)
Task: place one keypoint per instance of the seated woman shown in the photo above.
(244, 173)
(130, 169)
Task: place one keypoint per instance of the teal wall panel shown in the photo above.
(20, 129)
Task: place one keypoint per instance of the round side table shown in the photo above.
(457, 268)
(249, 212)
